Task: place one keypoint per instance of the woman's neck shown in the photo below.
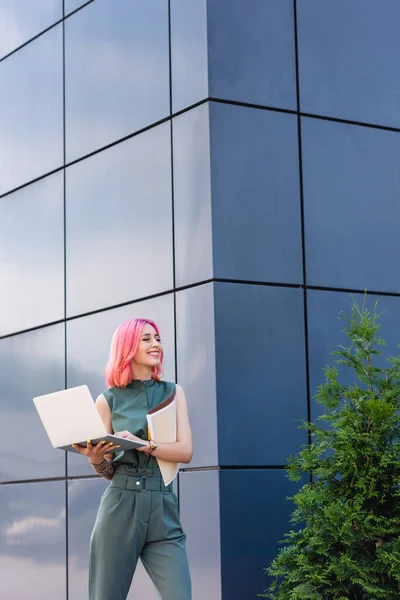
(141, 372)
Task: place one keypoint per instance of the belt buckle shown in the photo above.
(143, 487)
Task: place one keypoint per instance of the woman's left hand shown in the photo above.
(127, 435)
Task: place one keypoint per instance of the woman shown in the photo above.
(138, 515)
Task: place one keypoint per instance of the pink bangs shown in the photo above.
(124, 345)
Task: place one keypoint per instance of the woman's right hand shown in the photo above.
(127, 435)
(95, 454)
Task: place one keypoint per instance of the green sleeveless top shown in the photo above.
(129, 407)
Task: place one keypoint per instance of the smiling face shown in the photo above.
(149, 350)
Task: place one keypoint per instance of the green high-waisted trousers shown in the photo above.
(138, 517)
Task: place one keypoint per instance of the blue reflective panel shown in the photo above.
(20, 21)
(352, 218)
(31, 111)
(192, 196)
(251, 51)
(32, 255)
(32, 541)
(88, 349)
(254, 517)
(188, 52)
(83, 502)
(255, 195)
(31, 364)
(70, 5)
(200, 517)
(261, 373)
(326, 331)
(119, 223)
(196, 368)
(348, 53)
(117, 71)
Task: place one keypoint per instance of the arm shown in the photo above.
(182, 450)
(98, 457)
(105, 413)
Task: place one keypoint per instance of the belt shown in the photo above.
(140, 483)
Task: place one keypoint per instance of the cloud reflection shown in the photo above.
(31, 525)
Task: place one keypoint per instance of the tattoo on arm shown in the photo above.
(105, 468)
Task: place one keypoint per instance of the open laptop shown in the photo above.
(70, 417)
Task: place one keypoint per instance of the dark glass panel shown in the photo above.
(261, 373)
(251, 52)
(348, 55)
(326, 332)
(255, 195)
(254, 518)
(351, 205)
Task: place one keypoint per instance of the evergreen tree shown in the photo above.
(345, 541)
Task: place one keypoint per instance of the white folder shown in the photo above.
(162, 426)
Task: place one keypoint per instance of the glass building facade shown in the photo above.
(228, 168)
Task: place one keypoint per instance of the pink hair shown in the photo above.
(124, 345)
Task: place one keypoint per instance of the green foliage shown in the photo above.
(345, 541)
